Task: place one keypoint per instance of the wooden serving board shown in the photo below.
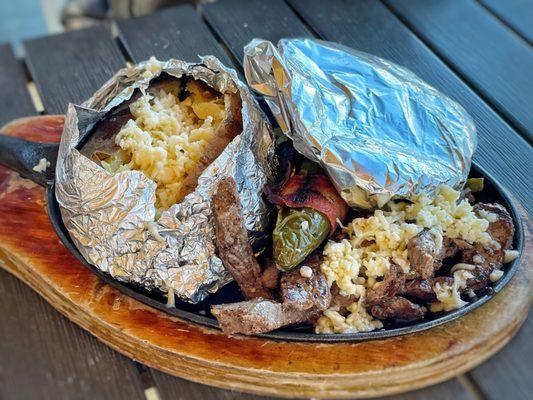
(30, 250)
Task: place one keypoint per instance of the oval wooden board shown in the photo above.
(30, 250)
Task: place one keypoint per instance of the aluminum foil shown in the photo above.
(112, 218)
(377, 129)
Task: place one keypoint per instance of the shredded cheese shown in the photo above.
(509, 255)
(42, 165)
(377, 241)
(449, 296)
(306, 271)
(166, 139)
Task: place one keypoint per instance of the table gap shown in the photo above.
(236, 63)
(511, 25)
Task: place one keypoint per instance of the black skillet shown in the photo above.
(21, 156)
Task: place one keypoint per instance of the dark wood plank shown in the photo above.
(490, 57)
(507, 375)
(15, 101)
(237, 22)
(517, 14)
(176, 32)
(369, 26)
(173, 388)
(45, 356)
(69, 67)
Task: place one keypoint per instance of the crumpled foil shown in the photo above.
(112, 218)
(378, 130)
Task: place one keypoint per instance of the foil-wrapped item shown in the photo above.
(112, 218)
(378, 130)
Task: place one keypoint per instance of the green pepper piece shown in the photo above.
(298, 232)
(475, 184)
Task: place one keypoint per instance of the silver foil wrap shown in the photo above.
(378, 130)
(112, 218)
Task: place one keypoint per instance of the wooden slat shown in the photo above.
(174, 388)
(177, 32)
(171, 388)
(508, 374)
(490, 57)
(517, 14)
(369, 26)
(237, 22)
(45, 356)
(69, 67)
(15, 100)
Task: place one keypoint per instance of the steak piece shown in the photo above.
(424, 255)
(302, 293)
(487, 259)
(232, 241)
(392, 284)
(270, 277)
(501, 230)
(258, 316)
(398, 308)
(421, 289)
(423, 252)
(340, 303)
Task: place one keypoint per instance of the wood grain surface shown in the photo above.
(517, 14)
(175, 33)
(369, 26)
(69, 67)
(496, 64)
(272, 20)
(15, 100)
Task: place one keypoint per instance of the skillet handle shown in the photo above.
(23, 155)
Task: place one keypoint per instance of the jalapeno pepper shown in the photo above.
(298, 232)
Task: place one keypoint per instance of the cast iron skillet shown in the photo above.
(21, 155)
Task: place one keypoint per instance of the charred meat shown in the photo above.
(232, 241)
(259, 316)
(398, 308)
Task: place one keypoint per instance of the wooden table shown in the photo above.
(477, 52)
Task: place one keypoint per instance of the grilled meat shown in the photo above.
(259, 316)
(304, 293)
(340, 303)
(487, 259)
(423, 251)
(232, 241)
(398, 308)
(502, 229)
(270, 277)
(392, 283)
(421, 289)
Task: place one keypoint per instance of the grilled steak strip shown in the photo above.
(232, 241)
(259, 316)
